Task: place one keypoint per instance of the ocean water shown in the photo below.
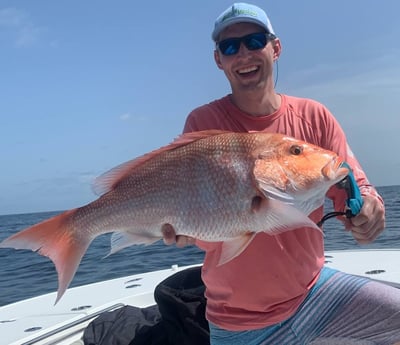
(25, 274)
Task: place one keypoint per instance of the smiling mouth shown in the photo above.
(248, 70)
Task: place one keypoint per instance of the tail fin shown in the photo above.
(56, 239)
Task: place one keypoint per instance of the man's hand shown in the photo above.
(369, 223)
(170, 237)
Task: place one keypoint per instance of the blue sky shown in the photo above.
(86, 85)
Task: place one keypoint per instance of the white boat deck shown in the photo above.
(37, 321)
(28, 321)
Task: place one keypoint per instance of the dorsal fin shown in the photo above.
(107, 181)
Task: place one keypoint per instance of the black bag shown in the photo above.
(177, 319)
(182, 305)
(127, 325)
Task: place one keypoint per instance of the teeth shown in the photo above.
(248, 69)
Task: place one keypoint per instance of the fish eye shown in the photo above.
(296, 150)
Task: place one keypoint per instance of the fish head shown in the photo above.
(297, 172)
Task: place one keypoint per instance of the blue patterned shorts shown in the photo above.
(339, 309)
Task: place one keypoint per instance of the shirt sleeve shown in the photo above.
(336, 141)
(190, 124)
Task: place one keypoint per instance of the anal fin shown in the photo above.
(231, 249)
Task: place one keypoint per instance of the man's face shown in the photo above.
(247, 69)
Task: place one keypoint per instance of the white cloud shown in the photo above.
(18, 22)
(11, 17)
(129, 116)
(369, 86)
(28, 36)
(125, 117)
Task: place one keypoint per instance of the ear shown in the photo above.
(277, 48)
(217, 59)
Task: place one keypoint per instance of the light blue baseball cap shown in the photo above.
(241, 13)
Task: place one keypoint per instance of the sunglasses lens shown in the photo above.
(255, 41)
(229, 46)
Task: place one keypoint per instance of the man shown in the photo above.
(278, 291)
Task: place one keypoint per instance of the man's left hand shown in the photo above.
(369, 223)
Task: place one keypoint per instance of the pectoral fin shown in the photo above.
(280, 217)
(273, 217)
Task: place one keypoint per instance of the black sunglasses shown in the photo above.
(255, 41)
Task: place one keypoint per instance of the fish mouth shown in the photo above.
(334, 170)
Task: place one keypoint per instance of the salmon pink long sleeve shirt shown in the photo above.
(267, 283)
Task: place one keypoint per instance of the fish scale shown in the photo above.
(213, 186)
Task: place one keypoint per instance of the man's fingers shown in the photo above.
(183, 241)
(168, 233)
(369, 223)
(170, 237)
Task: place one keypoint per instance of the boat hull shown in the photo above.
(37, 321)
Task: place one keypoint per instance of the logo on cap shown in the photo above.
(237, 12)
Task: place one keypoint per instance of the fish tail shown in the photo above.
(56, 239)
